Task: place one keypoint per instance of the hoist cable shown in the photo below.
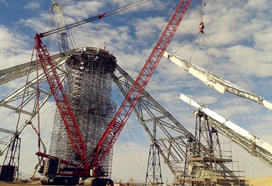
(186, 43)
(206, 51)
(194, 49)
(228, 60)
(100, 16)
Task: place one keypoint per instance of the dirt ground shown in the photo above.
(266, 181)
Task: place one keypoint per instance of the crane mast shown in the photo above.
(62, 33)
(62, 102)
(116, 125)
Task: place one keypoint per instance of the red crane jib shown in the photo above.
(56, 158)
(62, 102)
(115, 127)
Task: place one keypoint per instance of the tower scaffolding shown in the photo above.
(202, 166)
(88, 87)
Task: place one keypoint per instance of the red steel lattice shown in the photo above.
(62, 102)
(116, 125)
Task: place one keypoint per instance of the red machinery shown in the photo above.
(90, 166)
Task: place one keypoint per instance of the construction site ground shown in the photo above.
(261, 181)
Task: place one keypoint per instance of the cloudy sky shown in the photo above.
(236, 46)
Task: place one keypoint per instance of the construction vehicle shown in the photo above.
(91, 163)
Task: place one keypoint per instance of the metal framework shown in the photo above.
(165, 132)
(29, 106)
(219, 84)
(62, 101)
(116, 125)
(169, 136)
(251, 143)
(153, 172)
(13, 73)
(202, 166)
(10, 168)
(88, 88)
(59, 22)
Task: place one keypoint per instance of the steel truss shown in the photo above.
(29, 106)
(165, 132)
(251, 143)
(153, 172)
(202, 167)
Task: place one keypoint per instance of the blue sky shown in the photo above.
(241, 32)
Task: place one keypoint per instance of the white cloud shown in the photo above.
(123, 155)
(32, 6)
(148, 27)
(149, 5)
(260, 5)
(263, 39)
(14, 49)
(247, 59)
(4, 2)
(83, 9)
(206, 100)
(38, 24)
(9, 40)
(233, 109)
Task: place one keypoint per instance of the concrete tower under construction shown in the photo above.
(88, 87)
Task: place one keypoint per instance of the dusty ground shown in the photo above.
(266, 181)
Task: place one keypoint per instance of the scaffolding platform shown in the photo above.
(88, 87)
(214, 181)
(209, 159)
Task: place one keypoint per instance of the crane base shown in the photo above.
(75, 180)
(60, 180)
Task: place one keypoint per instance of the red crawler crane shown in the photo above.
(116, 125)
